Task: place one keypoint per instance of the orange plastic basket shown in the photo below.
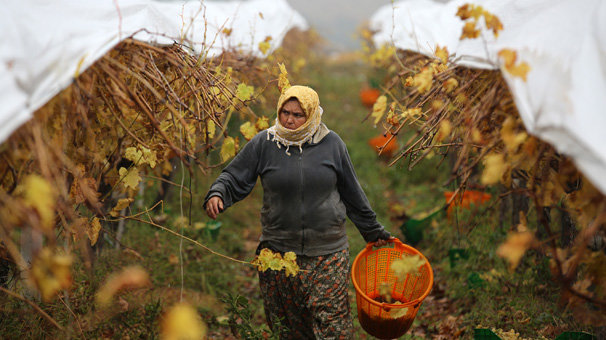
(370, 271)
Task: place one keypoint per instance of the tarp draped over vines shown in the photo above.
(45, 45)
(563, 98)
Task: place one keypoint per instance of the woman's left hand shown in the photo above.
(380, 242)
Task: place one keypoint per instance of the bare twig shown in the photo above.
(35, 306)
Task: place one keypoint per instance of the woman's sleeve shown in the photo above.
(238, 179)
(357, 205)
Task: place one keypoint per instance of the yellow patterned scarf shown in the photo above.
(310, 102)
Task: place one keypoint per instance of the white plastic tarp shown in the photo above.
(45, 42)
(563, 100)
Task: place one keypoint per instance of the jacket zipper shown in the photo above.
(302, 202)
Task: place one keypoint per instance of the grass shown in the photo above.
(477, 291)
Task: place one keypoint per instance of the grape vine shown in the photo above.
(469, 115)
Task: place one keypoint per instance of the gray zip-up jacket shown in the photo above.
(306, 195)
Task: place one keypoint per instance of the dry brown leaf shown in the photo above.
(93, 231)
(515, 246)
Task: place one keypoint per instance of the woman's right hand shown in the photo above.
(214, 206)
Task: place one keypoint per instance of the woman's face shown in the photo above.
(292, 115)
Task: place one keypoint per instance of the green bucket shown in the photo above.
(208, 230)
(413, 228)
(484, 334)
(575, 336)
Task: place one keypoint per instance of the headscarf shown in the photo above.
(310, 103)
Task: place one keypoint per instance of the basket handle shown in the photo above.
(396, 241)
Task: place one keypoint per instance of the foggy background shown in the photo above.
(337, 20)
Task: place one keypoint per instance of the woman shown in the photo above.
(309, 186)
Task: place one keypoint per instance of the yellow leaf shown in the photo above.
(275, 263)
(290, 264)
(511, 139)
(227, 31)
(150, 156)
(437, 104)
(437, 68)
(450, 84)
(264, 46)
(228, 149)
(408, 264)
(509, 62)
(182, 322)
(39, 195)
(210, 128)
(129, 178)
(470, 31)
(519, 70)
(494, 168)
(51, 273)
(444, 130)
(262, 123)
(244, 92)
(382, 55)
(378, 109)
(122, 204)
(423, 80)
(262, 260)
(477, 11)
(442, 53)
(134, 155)
(93, 231)
(409, 81)
(128, 278)
(141, 155)
(461, 98)
(493, 23)
(464, 11)
(476, 136)
(515, 246)
(397, 313)
(248, 130)
(509, 57)
(283, 82)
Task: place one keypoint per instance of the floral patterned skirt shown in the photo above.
(313, 304)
